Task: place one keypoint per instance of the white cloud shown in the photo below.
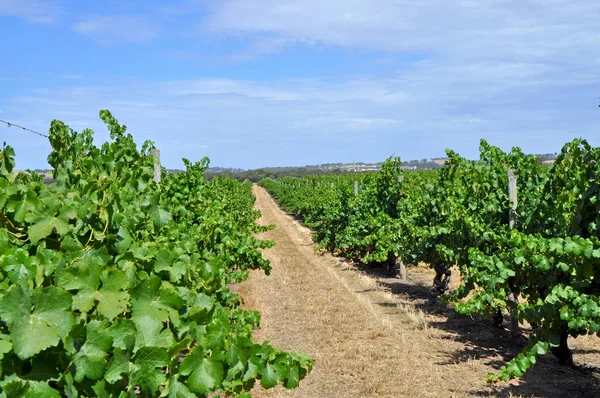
(529, 29)
(523, 43)
(118, 29)
(248, 124)
(34, 11)
(345, 121)
(518, 73)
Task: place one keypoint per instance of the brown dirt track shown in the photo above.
(373, 336)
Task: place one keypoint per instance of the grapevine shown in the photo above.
(543, 269)
(112, 285)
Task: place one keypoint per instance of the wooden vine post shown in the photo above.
(157, 170)
(512, 197)
(401, 265)
(355, 188)
(402, 270)
(513, 301)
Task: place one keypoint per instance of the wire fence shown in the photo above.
(9, 124)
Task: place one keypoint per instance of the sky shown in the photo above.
(256, 83)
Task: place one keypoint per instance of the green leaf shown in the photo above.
(203, 305)
(269, 376)
(150, 333)
(175, 389)
(573, 247)
(252, 371)
(45, 224)
(292, 379)
(40, 389)
(167, 261)
(49, 320)
(19, 266)
(82, 274)
(5, 346)
(70, 244)
(23, 205)
(541, 348)
(122, 332)
(111, 297)
(205, 374)
(90, 360)
(160, 216)
(148, 372)
(523, 363)
(118, 366)
(156, 300)
(124, 240)
(110, 302)
(100, 389)
(13, 386)
(556, 246)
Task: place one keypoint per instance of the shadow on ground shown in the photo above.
(494, 346)
(483, 342)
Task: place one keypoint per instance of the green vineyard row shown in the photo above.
(114, 286)
(544, 270)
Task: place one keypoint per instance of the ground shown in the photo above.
(375, 336)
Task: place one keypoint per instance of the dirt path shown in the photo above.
(368, 342)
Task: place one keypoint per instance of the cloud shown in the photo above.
(518, 73)
(247, 124)
(34, 11)
(118, 29)
(348, 122)
(529, 29)
(524, 43)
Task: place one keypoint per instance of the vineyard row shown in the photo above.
(112, 285)
(537, 258)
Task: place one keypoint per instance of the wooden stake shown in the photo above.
(402, 266)
(157, 170)
(512, 197)
(513, 301)
(402, 270)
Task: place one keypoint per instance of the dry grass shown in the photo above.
(373, 336)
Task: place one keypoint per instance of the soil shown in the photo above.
(372, 335)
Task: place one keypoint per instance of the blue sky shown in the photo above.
(253, 83)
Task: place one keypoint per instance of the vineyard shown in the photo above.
(112, 285)
(116, 278)
(530, 253)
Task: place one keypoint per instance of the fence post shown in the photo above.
(401, 265)
(513, 301)
(402, 270)
(157, 170)
(512, 197)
